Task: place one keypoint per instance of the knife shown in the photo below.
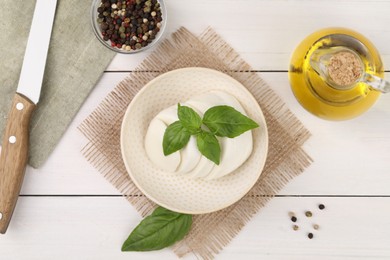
(14, 153)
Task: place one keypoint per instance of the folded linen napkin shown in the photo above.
(75, 62)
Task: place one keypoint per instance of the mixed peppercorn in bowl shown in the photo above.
(128, 26)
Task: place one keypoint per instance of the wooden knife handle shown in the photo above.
(13, 158)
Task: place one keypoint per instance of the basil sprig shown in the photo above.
(223, 121)
(159, 230)
(226, 121)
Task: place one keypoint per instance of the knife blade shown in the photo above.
(14, 153)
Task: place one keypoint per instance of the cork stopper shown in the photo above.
(344, 68)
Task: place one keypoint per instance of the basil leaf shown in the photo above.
(159, 230)
(189, 119)
(208, 146)
(226, 121)
(175, 138)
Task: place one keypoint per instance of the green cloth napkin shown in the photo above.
(75, 62)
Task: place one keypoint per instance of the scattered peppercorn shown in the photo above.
(310, 235)
(295, 227)
(316, 227)
(294, 219)
(308, 214)
(321, 206)
(129, 24)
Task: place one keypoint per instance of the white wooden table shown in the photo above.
(68, 211)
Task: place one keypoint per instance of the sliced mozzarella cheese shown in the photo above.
(154, 149)
(204, 167)
(234, 153)
(189, 161)
(203, 102)
(190, 157)
(232, 101)
(168, 115)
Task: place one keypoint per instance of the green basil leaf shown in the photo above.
(226, 121)
(159, 230)
(175, 138)
(208, 146)
(189, 119)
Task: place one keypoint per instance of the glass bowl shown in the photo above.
(99, 36)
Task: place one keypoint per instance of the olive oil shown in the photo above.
(318, 96)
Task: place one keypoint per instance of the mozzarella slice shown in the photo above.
(168, 115)
(154, 149)
(203, 102)
(190, 157)
(204, 167)
(235, 151)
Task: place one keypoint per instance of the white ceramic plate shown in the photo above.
(173, 191)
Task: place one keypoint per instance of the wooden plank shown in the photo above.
(350, 158)
(95, 228)
(265, 33)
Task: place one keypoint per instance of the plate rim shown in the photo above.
(139, 94)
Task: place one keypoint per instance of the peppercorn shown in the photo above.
(104, 26)
(294, 219)
(145, 28)
(308, 214)
(310, 235)
(321, 206)
(295, 227)
(316, 227)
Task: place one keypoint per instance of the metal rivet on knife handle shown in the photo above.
(19, 106)
(12, 139)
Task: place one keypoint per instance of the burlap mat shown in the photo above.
(286, 159)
